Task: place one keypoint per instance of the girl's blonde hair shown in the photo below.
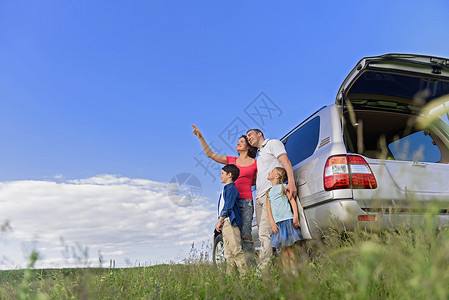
(282, 179)
(282, 174)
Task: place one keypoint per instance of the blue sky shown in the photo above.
(105, 91)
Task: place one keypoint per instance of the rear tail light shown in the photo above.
(348, 171)
(366, 218)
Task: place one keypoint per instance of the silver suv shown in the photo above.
(382, 145)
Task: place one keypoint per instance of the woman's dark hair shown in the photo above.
(252, 151)
(233, 169)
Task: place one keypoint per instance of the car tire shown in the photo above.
(218, 250)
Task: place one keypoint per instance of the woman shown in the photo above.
(248, 169)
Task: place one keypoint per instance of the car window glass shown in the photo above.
(442, 111)
(415, 147)
(405, 86)
(302, 143)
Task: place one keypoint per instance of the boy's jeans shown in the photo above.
(246, 211)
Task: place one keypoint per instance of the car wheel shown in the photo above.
(218, 251)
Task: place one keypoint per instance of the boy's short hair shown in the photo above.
(256, 131)
(231, 168)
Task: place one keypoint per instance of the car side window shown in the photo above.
(417, 146)
(302, 143)
(442, 111)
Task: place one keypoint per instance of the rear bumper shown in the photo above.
(344, 215)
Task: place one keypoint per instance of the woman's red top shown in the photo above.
(246, 177)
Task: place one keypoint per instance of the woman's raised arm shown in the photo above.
(217, 157)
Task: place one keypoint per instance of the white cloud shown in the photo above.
(103, 212)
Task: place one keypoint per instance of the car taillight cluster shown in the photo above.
(348, 171)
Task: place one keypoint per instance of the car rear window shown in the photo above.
(396, 85)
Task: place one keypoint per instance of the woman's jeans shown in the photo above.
(246, 212)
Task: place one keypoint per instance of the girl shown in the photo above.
(283, 215)
(248, 169)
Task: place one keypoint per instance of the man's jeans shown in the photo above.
(264, 230)
(246, 211)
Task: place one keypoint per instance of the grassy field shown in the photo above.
(396, 264)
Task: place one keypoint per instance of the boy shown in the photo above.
(229, 221)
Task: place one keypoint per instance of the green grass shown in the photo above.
(390, 264)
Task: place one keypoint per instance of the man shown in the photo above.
(271, 154)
